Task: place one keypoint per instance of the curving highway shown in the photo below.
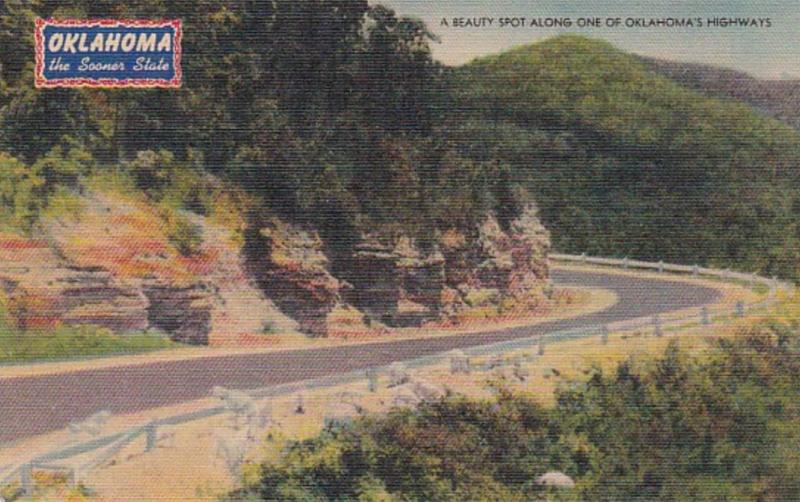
(38, 404)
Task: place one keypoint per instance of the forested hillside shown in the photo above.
(626, 162)
(306, 130)
(776, 98)
(334, 115)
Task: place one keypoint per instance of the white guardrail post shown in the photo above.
(459, 362)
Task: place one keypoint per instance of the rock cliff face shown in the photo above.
(42, 290)
(422, 283)
(375, 277)
(397, 283)
(394, 282)
(115, 266)
(290, 267)
(493, 264)
(185, 313)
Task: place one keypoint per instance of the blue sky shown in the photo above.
(767, 53)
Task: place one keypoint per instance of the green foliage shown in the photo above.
(73, 341)
(453, 450)
(679, 429)
(625, 162)
(673, 428)
(334, 114)
(26, 191)
(63, 169)
(187, 237)
(21, 193)
(151, 170)
(302, 103)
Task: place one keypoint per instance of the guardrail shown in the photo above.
(108, 446)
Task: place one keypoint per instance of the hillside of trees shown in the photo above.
(334, 114)
(777, 98)
(322, 110)
(626, 162)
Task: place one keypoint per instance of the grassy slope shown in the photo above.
(71, 341)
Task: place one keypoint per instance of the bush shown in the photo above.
(21, 193)
(452, 450)
(74, 341)
(151, 170)
(186, 236)
(63, 170)
(26, 191)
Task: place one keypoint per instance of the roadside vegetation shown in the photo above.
(61, 342)
(721, 425)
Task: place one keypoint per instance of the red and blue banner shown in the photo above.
(108, 53)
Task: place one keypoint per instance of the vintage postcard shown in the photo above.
(399, 250)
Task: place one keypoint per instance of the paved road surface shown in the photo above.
(39, 404)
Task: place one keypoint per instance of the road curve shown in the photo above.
(39, 404)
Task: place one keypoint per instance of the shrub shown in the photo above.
(452, 450)
(151, 170)
(672, 428)
(186, 236)
(25, 191)
(21, 193)
(60, 169)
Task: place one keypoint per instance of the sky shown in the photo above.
(769, 53)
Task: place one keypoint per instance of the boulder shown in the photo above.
(555, 479)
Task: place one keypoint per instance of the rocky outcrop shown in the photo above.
(375, 278)
(183, 312)
(529, 246)
(421, 283)
(489, 261)
(394, 282)
(397, 283)
(290, 267)
(41, 290)
(114, 266)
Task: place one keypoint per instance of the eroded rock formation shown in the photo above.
(41, 290)
(396, 282)
(292, 270)
(489, 264)
(115, 267)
